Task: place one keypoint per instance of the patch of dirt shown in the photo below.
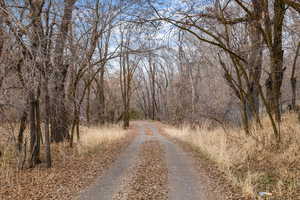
(149, 178)
(69, 175)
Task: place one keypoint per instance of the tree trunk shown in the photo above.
(126, 116)
(244, 115)
(276, 55)
(77, 128)
(23, 122)
(88, 104)
(38, 128)
(60, 117)
(47, 123)
(293, 79)
(153, 92)
(75, 125)
(1, 35)
(101, 97)
(276, 81)
(294, 93)
(254, 62)
(34, 138)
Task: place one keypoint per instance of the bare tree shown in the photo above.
(59, 115)
(128, 67)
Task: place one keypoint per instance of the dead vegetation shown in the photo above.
(74, 168)
(253, 163)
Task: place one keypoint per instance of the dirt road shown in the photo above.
(152, 167)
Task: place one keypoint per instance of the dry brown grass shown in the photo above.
(253, 164)
(72, 168)
(96, 137)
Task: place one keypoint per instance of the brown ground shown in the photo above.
(163, 169)
(69, 175)
(149, 177)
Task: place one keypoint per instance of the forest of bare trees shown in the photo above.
(55, 57)
(71, 63)
(64, 63)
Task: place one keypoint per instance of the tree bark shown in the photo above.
(47, 123)
(153, 91)
(273, 38)
(254, 62)
(60, 117)
(126, 116)
(75, 125)
(88, 104)
(101, 96)
(38, 128)
(23, 123)
(1, 34)
(34, 148)
(293, 79)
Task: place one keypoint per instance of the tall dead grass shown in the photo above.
(254, 164)
(94, 138)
